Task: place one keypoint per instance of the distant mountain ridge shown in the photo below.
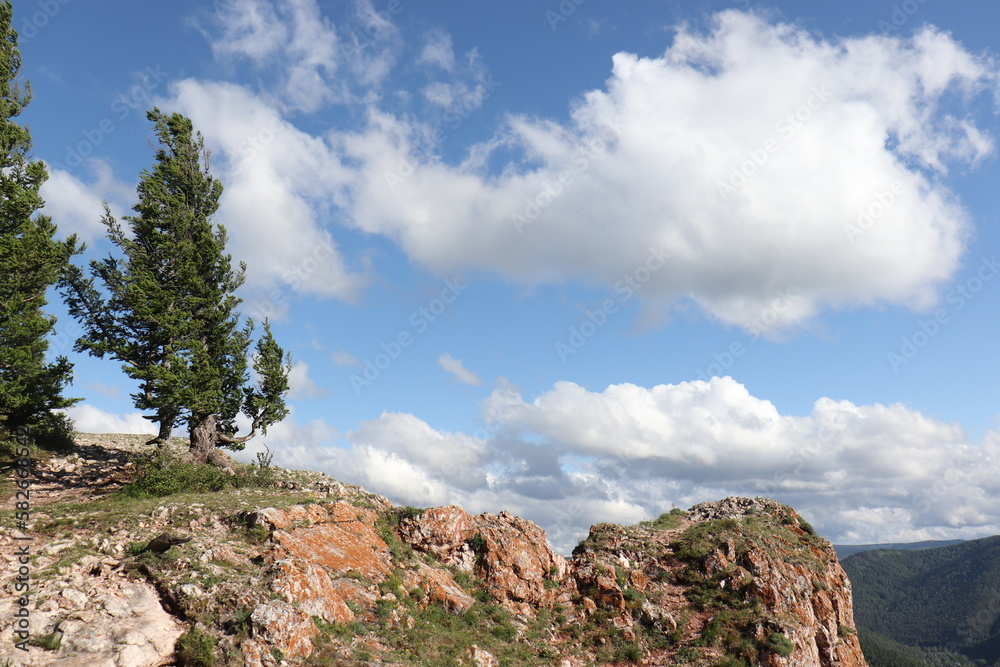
(928, 606)
(845, 550)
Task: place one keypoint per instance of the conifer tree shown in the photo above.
(31, 261)
(168, 310)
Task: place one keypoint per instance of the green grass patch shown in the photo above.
(666, 521)
(48, 642)
(780, 644)
(196, 649)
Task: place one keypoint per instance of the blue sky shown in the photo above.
(585, 261)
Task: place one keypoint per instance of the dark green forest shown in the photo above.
(928, 607)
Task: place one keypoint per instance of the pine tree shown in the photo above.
(31, 261)
(168, 307)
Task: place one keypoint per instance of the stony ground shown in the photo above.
(86, 592)
(311, 571)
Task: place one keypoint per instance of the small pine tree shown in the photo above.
(31, 261)
(168, 308)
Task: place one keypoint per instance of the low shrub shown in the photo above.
(780, 644)
(196, 649)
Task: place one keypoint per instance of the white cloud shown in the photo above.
(294, 445)
(830, 153)
(702, 440)
(457, 459)
(301, 386)
(438, 50)
(77, 207)
(277, 181)
(371, 45)
(396, 454)
(467, 87)
(342, 358)
(458, 369)
(806, 134)
(90, 419)
(571, 458)
(290, 36)
(250, 29)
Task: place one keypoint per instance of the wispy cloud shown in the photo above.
(342, 358)
(438, 50)
(458, 369)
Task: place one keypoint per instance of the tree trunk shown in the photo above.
(166, 419)
(204, 438)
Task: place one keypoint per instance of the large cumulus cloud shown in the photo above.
(761, 158)
(571, 457)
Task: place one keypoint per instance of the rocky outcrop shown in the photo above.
(508, 554)
(330, 574)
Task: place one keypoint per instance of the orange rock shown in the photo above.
(310, 587)
(516, 560)
(347, 542)
(442, 532)
(275, 518)
(513, 561)
(440, 587)
(257, 654)
(638, 580)
(284, 627)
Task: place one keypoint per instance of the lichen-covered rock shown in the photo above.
(444, 533)
(794, 576)
(440, 588)
(341, 538)
(515, 561)
(280, 625)
(510, 554)
(754, 557)
(481, 658)
(309, 586)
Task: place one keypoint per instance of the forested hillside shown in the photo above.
(845, 550)
(930, 606)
